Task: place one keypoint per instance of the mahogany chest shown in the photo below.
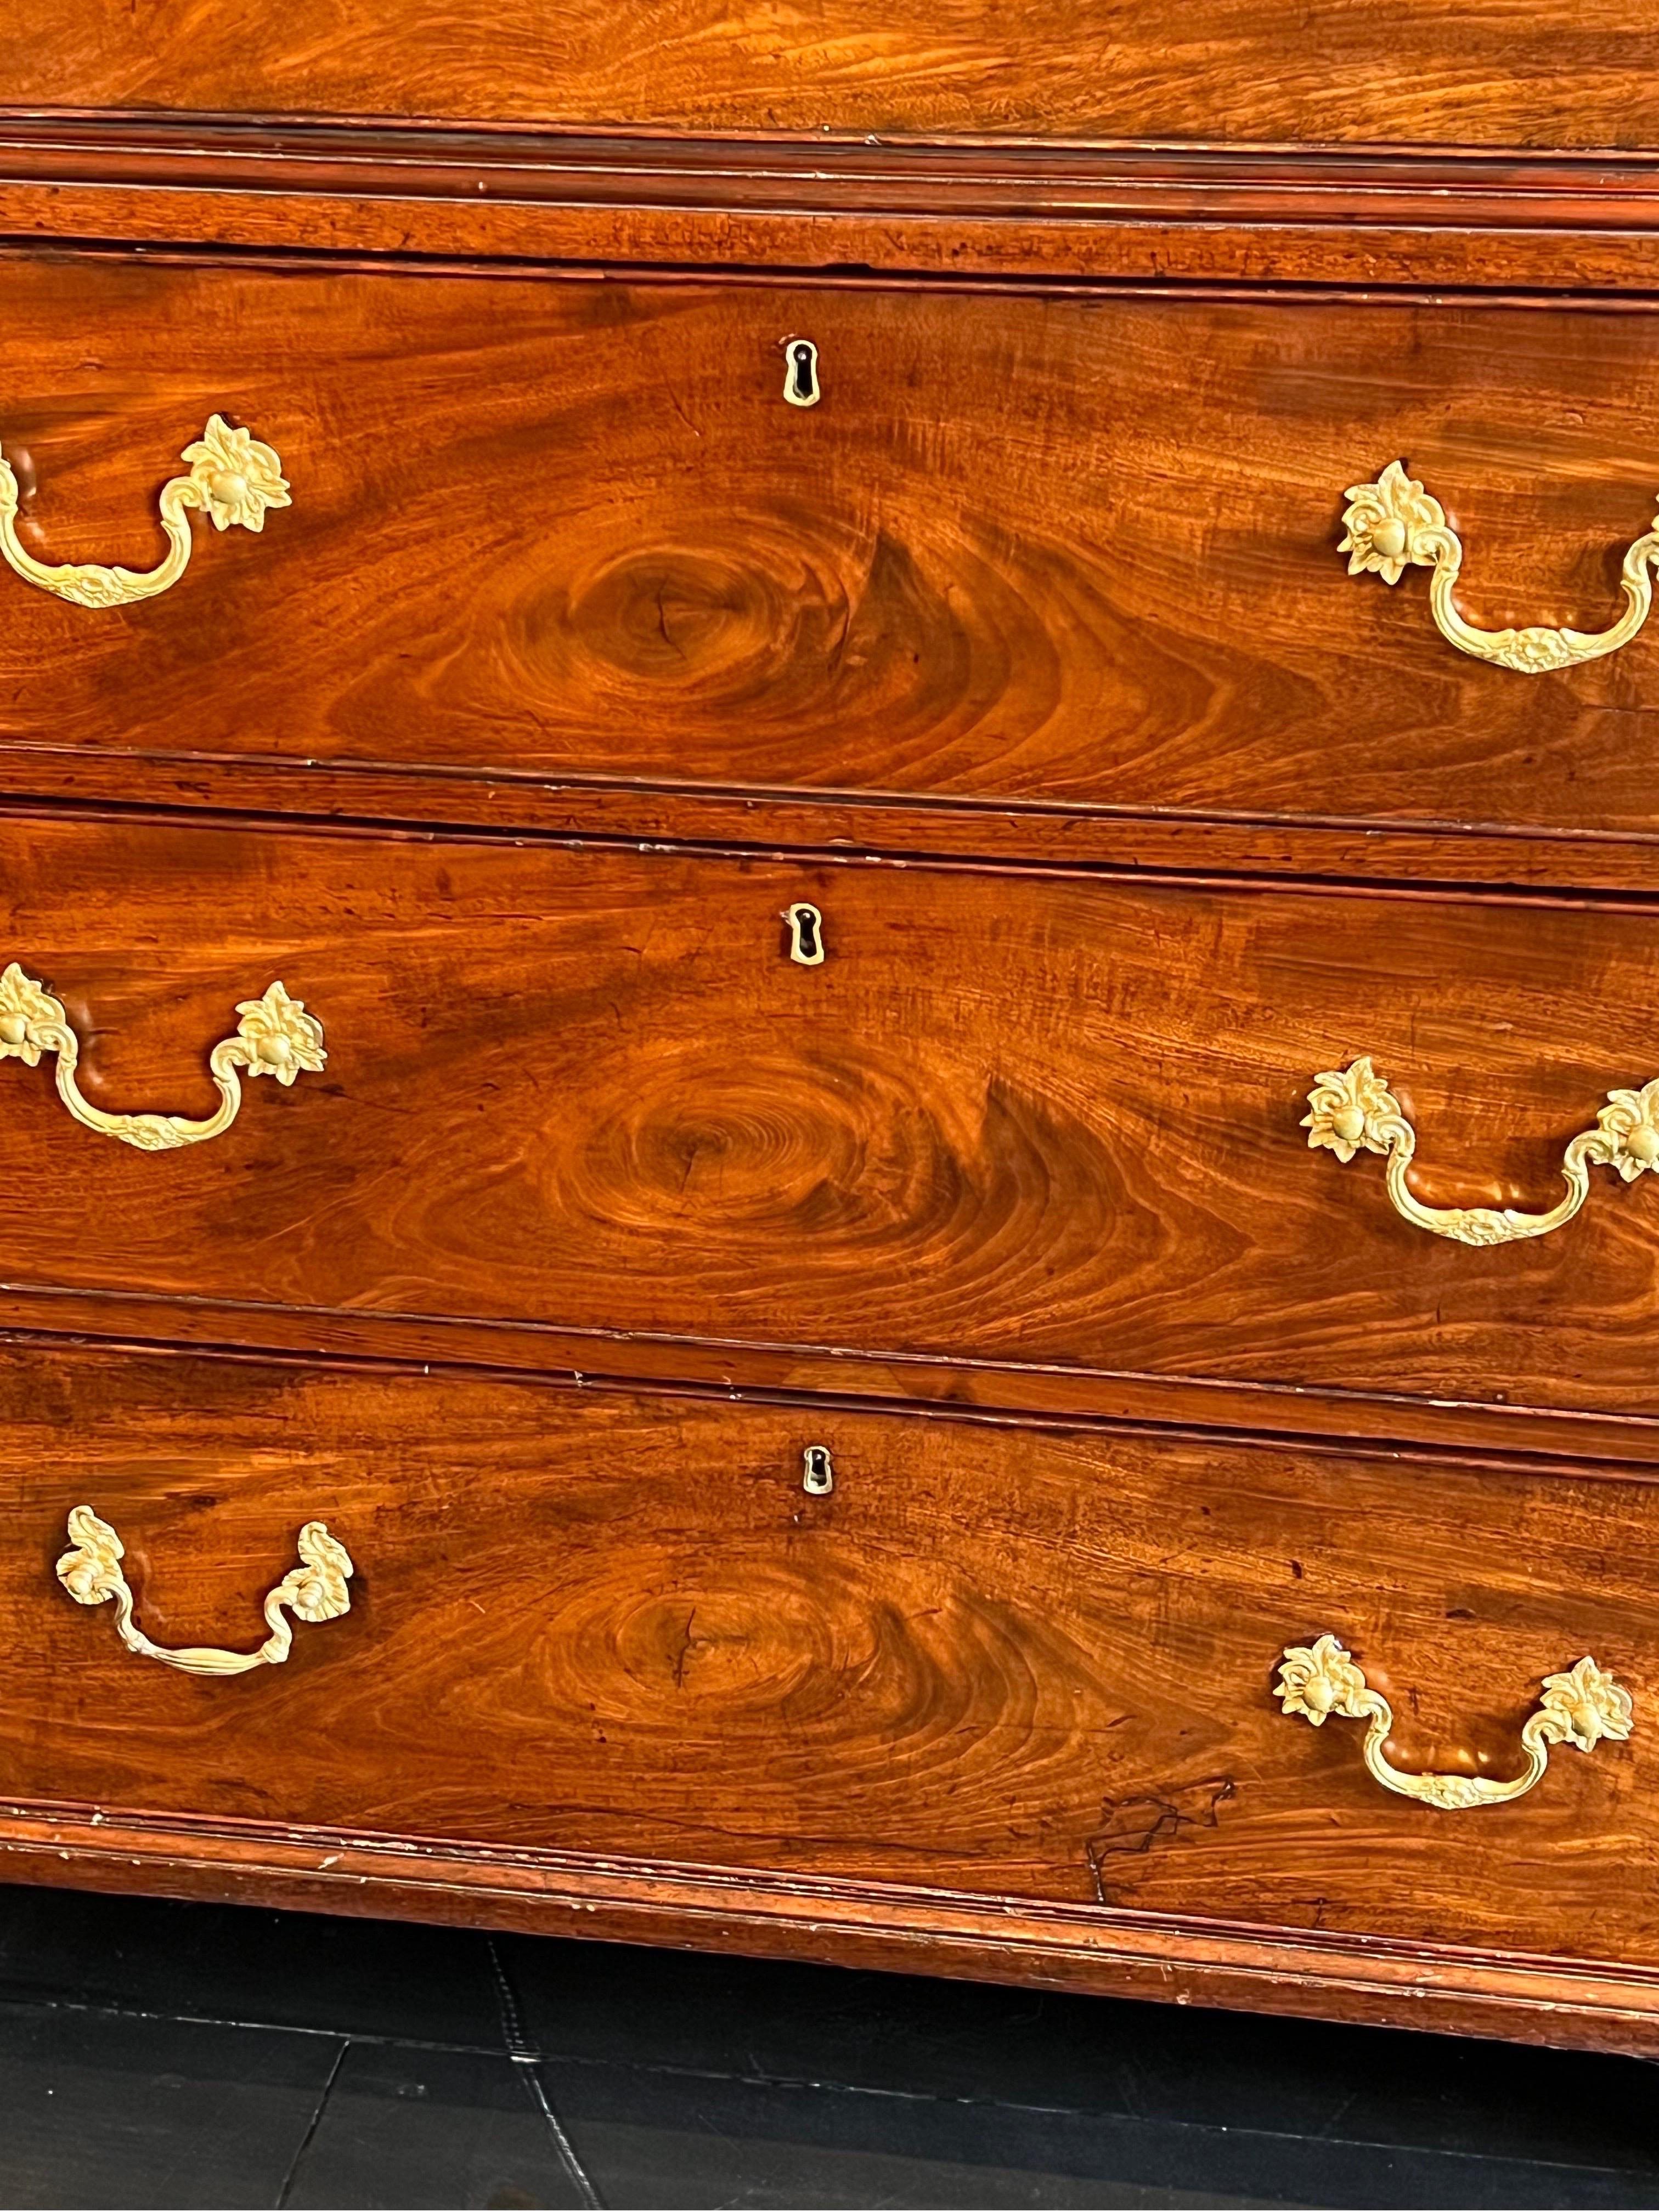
(827, 938)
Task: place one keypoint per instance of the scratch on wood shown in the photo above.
(1132, 1827)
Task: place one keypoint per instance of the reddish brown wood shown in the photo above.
(1474, 1439)
(1170, 1961)
(1015, 1119)
(1015, 1664)
(1075, 251)
(189, 785)
(1024, 212)
(777, 176)
(1410, 72)
(1064, 554)
(1508, 1434)
(1027, 655)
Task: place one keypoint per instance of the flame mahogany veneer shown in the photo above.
(1015, 1122)
(1071, 556)
(1028, 658)
(1006, 1670)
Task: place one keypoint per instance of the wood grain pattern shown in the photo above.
(1015, 1118)
(1507, 1435)
(1407, 71)
(186, 786)
(1006, 1204)
(1168, 1958)
(1064, 553)
(1020, 210)
(1024, 1663)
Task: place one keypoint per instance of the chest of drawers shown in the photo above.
(826, 1050)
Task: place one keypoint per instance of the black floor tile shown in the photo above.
(676, 2140)
(787, 2022)
(96, 2109)
(239, 1963)
(164, 2054)
(405, 2127)
(673, 2141)
(768, 2022)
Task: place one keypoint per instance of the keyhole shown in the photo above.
(805, 935)
(819, 1477)
(800, 377)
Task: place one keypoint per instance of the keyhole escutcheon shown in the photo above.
(818, 1472)
(805, 935)
(801, 387)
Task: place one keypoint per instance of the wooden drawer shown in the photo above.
(1404, 73)
(1060, 555)
(1010, 1119)
(997, 1661)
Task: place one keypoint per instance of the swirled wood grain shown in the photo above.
(1401, 72)
(1052, 553)
(1020, 1663)
(1011, 1118)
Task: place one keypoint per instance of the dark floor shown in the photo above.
(173, 2055)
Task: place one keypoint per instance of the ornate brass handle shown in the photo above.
(315, 1591)
(1394, 525)
(1352, 1109)
(233, 478)
(1580, 1707)
(274, 1036)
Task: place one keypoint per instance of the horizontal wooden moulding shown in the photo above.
(1517, 1999)
(958, 212)
(384, 797)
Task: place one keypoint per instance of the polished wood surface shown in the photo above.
(1521, 1996)
(1512, 1433)
(1014, 1119)
(1434, 217)
(1068, 555)
(1018, 1662)
(1027, 656)
(185, 787)
(1385, 71)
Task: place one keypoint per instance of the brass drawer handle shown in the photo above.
(315, 1591)
(1352, 1111)
(274, 1036)
(233, 479)
(1394, 525)
(1580, 1707)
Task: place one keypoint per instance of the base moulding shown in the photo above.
(1521, 1997)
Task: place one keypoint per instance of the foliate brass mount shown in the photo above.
(1580, 1707)
(233, 479)
(274, 1036)
(1395, 524)
(315, 1591)
(1352, 1110)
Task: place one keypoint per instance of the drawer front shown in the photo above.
(1006, 1118)
(1404, 74)
(1001, 1661)
(1068, 554)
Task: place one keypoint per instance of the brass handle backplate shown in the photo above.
(1394, 525)
(1352, 1110)
(274, 1036)
(1579, 1707)
(315, 1591)
(233, 479)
